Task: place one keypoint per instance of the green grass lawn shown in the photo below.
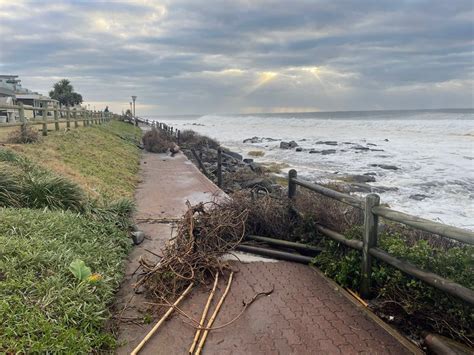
(102, 159)
(59, 207)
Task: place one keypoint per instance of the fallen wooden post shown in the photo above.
(161, 321)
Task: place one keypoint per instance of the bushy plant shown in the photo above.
(192, 139)
(156, 141)
(23, 136)
(54, 192)
(11, 193)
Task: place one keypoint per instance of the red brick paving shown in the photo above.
(303, 315)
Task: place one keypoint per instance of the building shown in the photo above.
(12, 92)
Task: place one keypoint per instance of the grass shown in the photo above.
(64, 198)
(43, 308)
(102, 159)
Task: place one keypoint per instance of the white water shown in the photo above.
(434, 151)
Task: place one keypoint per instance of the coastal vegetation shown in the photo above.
(65, 206)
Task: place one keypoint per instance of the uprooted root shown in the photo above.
(204, 235)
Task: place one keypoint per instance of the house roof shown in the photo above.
(37, 97)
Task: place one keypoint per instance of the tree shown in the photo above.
(63, 91)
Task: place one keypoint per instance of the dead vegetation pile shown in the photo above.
(191, 139)
(204, 235)
(156, 141)
(23, 135)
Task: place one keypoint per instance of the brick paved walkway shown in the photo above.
(304, 315)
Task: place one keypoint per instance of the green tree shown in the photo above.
(63, 91)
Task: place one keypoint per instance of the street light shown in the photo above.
(134, 98)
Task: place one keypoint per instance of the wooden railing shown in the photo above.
(368, 246)
(370, 205)
(59, 115)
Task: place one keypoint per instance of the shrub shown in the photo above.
(195, 140)
(19, 136)
(53, 192)
(156, 141)
(117, 212)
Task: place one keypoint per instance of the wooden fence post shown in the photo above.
(84, 118)
(45, 121)
(68, 118)
(56, 117)
(178, 136)
(74, 114)
(292, 174)
(219, 165)
(369, 241)
(23, 121)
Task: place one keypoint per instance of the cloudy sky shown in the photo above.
(209, 56)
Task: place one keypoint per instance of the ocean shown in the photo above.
(433, 151)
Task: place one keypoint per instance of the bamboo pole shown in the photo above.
(204, 315)
(162, 320)
(214, 315)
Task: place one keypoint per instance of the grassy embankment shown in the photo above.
(63, 199)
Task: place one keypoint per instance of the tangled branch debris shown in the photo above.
(204, 235)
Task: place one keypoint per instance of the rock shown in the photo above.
(256, 168)
(284, 145)
(360, 147)
(323, 152)
(232, 154)
(374, 174)
(248, 161)
(385, 166)
(377, 150)
(138, 237)
(258, 183)
(372, 144)
(360, 178)
(386, 140)
(418, 197)
(293, 144)
(327, 142)
(361, 187)
(299, 149)
(253, 140)
(268, 139)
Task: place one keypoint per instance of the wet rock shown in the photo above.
(299, 149)
(360, 147)
(418, 197)
(328, 151)
(360, 178)
(385, 166)
(364, 188)
(248, 161)
(377, 150)
(372, 144)
(288, 145)
(386, 140)
(371, 173)
(252, 140)
(323, 152)
(327, 142)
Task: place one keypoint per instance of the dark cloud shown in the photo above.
(187, 56)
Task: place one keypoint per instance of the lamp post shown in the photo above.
(134, 98)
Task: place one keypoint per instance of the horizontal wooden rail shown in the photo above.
(352, 243)
(430, 278)
(339, 196)
(368, 245)
(444, 230)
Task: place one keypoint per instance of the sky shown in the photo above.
(245, 56)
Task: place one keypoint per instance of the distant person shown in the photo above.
(106, 109)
